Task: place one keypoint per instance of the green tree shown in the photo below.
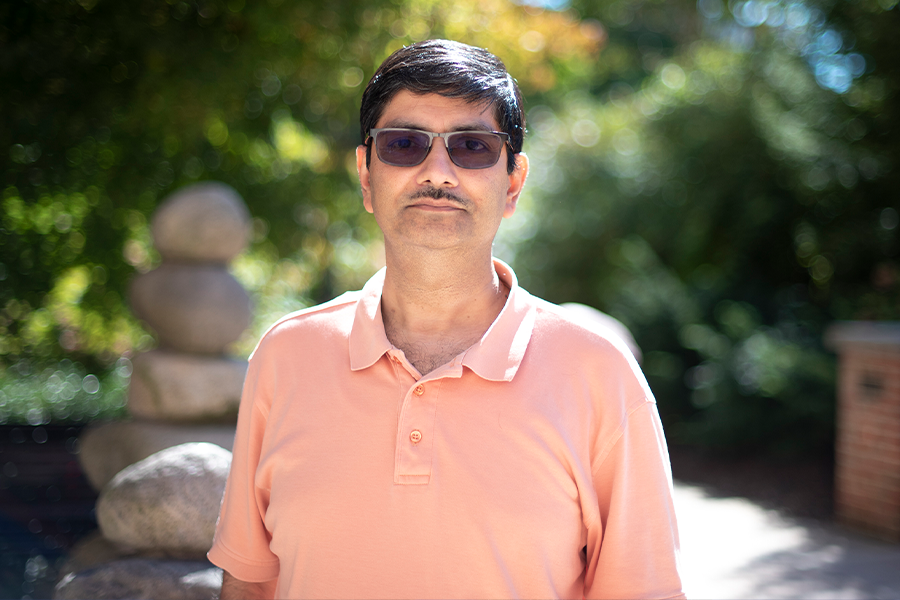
(107, 107)
(726, 192)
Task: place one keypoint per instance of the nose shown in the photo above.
(437, 168)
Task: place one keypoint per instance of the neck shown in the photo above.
(437, 307)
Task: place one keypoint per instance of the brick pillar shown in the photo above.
(867, 460)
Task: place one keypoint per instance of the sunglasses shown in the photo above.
(409, 147)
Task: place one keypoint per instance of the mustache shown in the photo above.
(438, 194)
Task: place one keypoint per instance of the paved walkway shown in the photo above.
(734, 549)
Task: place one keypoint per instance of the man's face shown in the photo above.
(436, 204)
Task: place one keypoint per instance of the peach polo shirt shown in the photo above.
(532, 465)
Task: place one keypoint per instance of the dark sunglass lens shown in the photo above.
(401, 148)
(475, 150)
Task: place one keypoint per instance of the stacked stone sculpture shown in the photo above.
(186, 390)
(162, 474)
(157, 518)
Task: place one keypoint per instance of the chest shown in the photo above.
(428, 474)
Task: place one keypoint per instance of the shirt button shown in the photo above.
(420, 389)
(415, 436)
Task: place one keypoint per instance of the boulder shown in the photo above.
(167, 502)
(88, 552)
(185, 387)
(107, 448)
(192, 308)
(94, 550)
(205, 222)
(140, 579)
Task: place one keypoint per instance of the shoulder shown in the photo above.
(574, 326)
(313, 325)
(576, 351)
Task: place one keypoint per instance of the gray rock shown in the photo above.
(205, 222)
(192, 308)
(185, 387)
(107, 448)
(140, 579)
(94, 550)
(167, 502)
(88, 552)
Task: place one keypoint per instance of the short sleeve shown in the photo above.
(241, 543)
(633, 553)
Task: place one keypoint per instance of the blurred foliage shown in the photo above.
(726, 191)
(718, 176)
(108, 107)
(61, 393)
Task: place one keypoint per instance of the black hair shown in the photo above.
(453, 70)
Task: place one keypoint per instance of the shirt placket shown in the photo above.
(415, 431)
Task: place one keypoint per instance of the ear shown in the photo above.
(363, 172)
(516, 183)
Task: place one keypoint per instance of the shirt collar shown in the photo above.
(495, 357)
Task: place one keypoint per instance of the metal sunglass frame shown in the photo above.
(431, 135)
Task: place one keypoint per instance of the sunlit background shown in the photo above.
(718, 176)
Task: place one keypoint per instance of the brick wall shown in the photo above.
(867, 460)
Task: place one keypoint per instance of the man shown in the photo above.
(442, 433)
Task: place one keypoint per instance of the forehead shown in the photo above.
(433, 112)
